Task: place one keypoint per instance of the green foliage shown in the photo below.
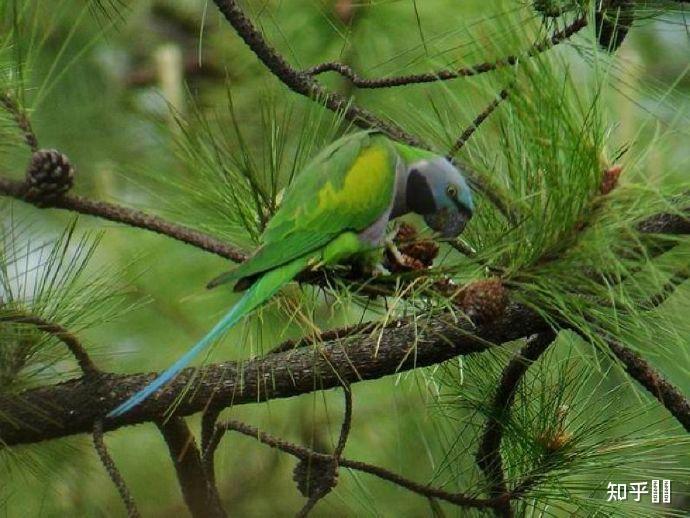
(49, 280)
(572, 254)
(570, 428)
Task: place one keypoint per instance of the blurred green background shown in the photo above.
(114, 73)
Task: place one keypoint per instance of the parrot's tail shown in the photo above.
(262, 290)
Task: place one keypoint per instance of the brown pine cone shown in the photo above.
(484, 300)
(423, 252)
(315, 476)
(406, 232)
(49, 175)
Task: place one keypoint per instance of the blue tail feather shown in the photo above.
(229, 320)
(261, 290)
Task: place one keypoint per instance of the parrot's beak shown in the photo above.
(449, 223)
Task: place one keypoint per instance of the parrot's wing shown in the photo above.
(346, 188)
(268, 257)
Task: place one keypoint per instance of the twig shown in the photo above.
(131, 217)
(199, 494)
(20, 118)
(446, 74)
(303, 453)
(347, 423)
(469, 131)
(208, 454)
(66, 337)
(672, 223)
(489, 453)
(113, 472)
(321, 477)
(664, 391)
(309, 505)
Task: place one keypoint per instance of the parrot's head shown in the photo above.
(438, 191)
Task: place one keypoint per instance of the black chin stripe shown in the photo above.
(462, 209)
(420, 199)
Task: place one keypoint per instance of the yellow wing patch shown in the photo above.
(364, 183)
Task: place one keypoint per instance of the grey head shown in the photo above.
(438, 191)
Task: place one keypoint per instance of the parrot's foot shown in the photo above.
(378, 270)
(393, 233)
(394, 252)
(369, 269)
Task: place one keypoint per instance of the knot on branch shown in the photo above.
(484, 300)
(315, 476)
(49, 175)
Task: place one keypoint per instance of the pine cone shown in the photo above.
(406, 232)
(423, 251)
(315, 476)
(49, 175)
(484, 300)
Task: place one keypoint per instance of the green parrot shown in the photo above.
(337, 210)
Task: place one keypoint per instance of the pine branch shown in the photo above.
(665, 392)
(20, 119)
(70, 340)
(200, 495)
(447, 74)
(120, 214)
(489, 455)
(300, 82)
(72, 407)
(306, 454)
(113, 472)
(479, 119)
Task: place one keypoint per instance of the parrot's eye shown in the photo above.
(452, 191)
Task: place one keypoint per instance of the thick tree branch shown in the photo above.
(200, 495)
(73, 406)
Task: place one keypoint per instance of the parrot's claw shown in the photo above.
(379, 271)
(393, 250)
(390, 236)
